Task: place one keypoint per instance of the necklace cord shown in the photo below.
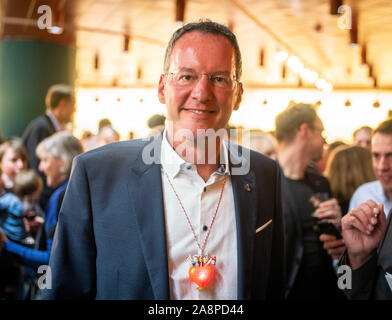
(187, 218)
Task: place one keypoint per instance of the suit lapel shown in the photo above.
(245, 202)
(145, 192)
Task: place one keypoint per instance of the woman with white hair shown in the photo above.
(56, 154)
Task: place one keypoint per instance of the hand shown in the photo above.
(3, 239)
(363, 229)
(32, 221)
(335, 247)
(329, 211)
(35, 223)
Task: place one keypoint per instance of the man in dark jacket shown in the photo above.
(60, 107)
(310, 273)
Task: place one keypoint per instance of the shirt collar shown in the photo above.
(172, 163)
(56, 124)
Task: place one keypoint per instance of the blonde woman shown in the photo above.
(348, 168)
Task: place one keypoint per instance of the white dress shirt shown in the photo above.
(370, 191)
(199, 199)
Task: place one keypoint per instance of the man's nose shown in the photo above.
(384, 163)
(202, 89)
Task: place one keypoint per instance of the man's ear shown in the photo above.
(161, 89)
(240, 91)
(303, 129)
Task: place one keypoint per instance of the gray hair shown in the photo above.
(205, 27)
(62, 145)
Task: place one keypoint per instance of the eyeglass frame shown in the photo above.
(209, 75)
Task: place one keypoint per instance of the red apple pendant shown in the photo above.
(202, 276)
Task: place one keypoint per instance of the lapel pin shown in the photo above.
(247, 187)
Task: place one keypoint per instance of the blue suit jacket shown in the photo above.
(110, 241)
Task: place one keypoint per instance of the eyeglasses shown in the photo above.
(190, 78)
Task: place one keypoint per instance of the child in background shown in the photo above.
(18, 208)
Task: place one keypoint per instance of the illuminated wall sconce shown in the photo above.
(347, 103)
(376, 104)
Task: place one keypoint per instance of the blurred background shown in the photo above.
(335, 54)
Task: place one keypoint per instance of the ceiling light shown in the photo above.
(292, 60)
(55, 30)
(281, 56)
(297, 67)
(308, 75)
(320, 83)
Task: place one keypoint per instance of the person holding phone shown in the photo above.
(309, 273)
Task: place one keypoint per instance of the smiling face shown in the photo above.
(12, 163)
(201, 105)
(52, 168)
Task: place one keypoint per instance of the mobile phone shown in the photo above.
(329, 228)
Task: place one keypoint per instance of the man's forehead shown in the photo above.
(382, 142)
(197, 43)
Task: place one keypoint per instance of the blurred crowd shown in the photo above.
(320, 184)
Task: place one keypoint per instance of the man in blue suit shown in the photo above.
(178, 215)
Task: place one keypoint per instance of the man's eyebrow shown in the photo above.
(211, 73)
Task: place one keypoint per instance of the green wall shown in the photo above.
(27, 69)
